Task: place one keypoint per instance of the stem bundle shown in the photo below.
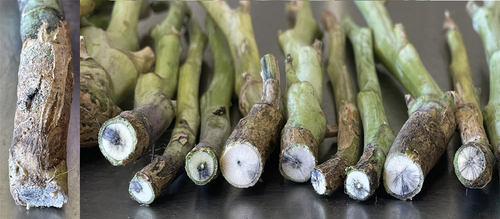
(485, 21)
(127, 136)
(306, 124)
(202, 163)
(474, 160)
(425, 135)
(364, 177)
(37, 157)
(237, 27)
(153, 179)
(330, 175)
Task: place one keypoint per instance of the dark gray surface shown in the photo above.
(10, 47)
(105, 188)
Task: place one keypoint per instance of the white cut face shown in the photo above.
(401, 175)
(297, 163)
(318, 182)
(201, 165)
(241, 165)
(358, 185)
(117, 141)
(141, 190)
(471, 162)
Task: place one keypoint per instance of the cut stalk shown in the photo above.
(202, 164)
(363, 178)
(426, 134)
(237, 27)
(330, 175)
(153, 179)
(127, 136)
(37, 157)
(108, 74)
(485, 21)
(253, 140)
(474, 160)
(306, 123)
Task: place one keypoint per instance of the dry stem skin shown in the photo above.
(153, 179)
(236, 24)
(37, 156)
(485, 22)
(348, 139)
(253, 140)
(153, 109)
(474, 160)
(202, 164)
(306, 124)
(425, 135)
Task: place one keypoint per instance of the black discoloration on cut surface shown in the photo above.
(135, 186)
(203, 171)
(112, 135)
(291, 160)
(315, 177)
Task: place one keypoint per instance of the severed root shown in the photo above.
(252, 141)
(306, 124)
(126, 137)
(474, 160)
(37, 156)
(419, 145)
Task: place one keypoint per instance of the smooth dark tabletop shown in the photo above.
(105, 187)
(10, 49)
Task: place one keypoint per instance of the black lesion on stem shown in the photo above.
(203, 171)
(135, 186)
(112, 135)
(293, 161)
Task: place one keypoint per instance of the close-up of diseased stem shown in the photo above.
(153, 179)
(363, 178)
(38, 173)
(431, 123)
(474, 161)
(109, 71)
(202, 162)
(127, 136)
(485, 22)
(236, 24)
(254, 138)
(330, 175)
(306, 124)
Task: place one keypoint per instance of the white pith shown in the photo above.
(241, 164)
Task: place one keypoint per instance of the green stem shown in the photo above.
(122, 28)
(306, 123)
(153, 109)
(153, 179)
(86, 7)
(237, 27)
(485, 21)
(378, 136)
(395, 51)
(215, 103)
